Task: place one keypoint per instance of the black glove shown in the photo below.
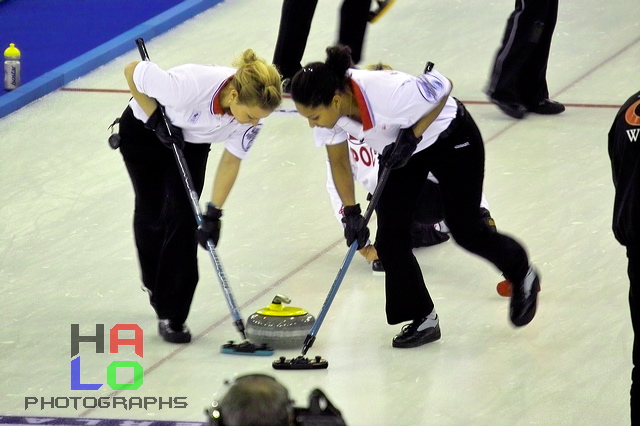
(354, 226)
(209, 229)
(157, 124)
(398, 153)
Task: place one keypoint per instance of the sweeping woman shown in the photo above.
(419, 128)
(204, 104)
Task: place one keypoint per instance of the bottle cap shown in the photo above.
(12, 51)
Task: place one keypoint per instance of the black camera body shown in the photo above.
(320, 412)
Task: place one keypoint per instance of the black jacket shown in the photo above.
(624, 151)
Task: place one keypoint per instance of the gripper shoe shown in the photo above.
(512, 109)
(547, 107)
(417, 333)
(173, 333)
(377, 268)
(524, 299)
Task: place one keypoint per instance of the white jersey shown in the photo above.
(388, 102)
(364, 167)
(190, 94)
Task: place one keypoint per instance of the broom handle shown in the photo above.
(195, 205)
(311, 337)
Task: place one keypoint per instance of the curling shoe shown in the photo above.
(426, 235)
(547, 107)
(377, 268)
(172, 333)
(486, 218)
(419, 332)
(524, 299)
(512, 109)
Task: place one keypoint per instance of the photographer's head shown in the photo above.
(254, 400)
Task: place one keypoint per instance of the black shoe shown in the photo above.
(376, 267)
(423, 235)
(486, 218)
(512, 109)
(547, 107)
(410, 337)
(524, 299)
(172, 333)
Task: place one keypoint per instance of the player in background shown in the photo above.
(624, 152)
(296, 17)
(518, 83)
(428, 227)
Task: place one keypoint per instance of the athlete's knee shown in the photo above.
(471, 239)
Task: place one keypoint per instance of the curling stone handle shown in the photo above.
(281, 298)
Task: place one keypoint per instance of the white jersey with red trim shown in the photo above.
(388, 102)
(364, 167)
(190, 94)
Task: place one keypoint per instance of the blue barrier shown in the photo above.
(102, 54)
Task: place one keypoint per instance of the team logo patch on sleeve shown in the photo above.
(249, 136)
(194, 117)
(430, 87)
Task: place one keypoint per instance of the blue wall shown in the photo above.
(61, 40)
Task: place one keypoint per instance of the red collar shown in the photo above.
(216, 108)
(363, 106)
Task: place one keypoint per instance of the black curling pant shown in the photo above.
(457, 161)
(163, 221)
(633, 253)
(354, 16)
(429, 205)
(295, 24)
(520, 68)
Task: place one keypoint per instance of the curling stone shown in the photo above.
(281, 327)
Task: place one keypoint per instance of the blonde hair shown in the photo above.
(378, 67)
(257, 83)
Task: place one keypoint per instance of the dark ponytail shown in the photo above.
(318, 82)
